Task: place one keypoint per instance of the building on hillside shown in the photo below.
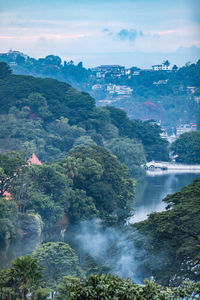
(162, 67)
(183, 128)
(33, 160)
(160, 82)
(12, 63)
(96, 87)
(7, 195)
(191, 89)
(197, 99)
(110, 71)
(136, 73)
(119, 89)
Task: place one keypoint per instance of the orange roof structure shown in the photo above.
(33, 160)
(7, 195)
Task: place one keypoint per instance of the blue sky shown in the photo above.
(126, 32)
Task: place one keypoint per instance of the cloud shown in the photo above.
(126, 34)
(130, 34)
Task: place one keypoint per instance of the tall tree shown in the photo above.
(174, 238)
(10, 167)
(130, 153)
(24, 276)
(58, 259)
(186, 148)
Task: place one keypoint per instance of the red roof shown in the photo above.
(7, 195)
(33, 160)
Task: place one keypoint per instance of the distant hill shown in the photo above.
(170, 96)
(50, 66)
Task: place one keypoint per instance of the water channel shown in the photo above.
(149, 194)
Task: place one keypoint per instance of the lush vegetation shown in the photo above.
(169, 96)
(8, 219)
(50, 66)
(23, 281)
(186, 148)
(81, 180)
(58, 260)
(90, 182)
(129, 153)
(173, 238)
(79, 186)
(98, 287)
(50, 117)
(160, 95)
(105, 180)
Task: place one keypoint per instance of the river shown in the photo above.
(149, 195)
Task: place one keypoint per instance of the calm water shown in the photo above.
(151, 191)
(149, 195)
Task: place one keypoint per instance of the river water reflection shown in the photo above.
(152, 189)
(149, 195)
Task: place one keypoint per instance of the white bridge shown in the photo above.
(170, 166)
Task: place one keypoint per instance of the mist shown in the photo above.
(112, 247)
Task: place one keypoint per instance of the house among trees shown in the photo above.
(110, 71)
(119, 89)
(33, 160)
(165, 66)
(183, 128)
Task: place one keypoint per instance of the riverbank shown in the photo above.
(154, 188)
(154, 168)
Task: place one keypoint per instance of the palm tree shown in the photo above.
(24, 276)
(166, 63)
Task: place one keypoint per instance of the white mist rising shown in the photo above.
(109, 246)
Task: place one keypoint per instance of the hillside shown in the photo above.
(49, 117)
(170, 96)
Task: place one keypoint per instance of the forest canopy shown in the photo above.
(49, 118)
(174, 236)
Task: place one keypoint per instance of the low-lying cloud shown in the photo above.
(125, 34)
(130, 35)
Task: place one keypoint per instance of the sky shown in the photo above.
(126, 32)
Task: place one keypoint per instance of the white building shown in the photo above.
(118, 89)
(97, 87)
(160, 82)
(185, 128)
(110, 71)
(162, 67)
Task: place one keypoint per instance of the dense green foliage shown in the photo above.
(55, 121)
(146, 133)
(105, 180)
(21, 279)
(50, 66)
(173, 238)
(187, 148)
(8, 219)
(58, 260)
(50, 117)
(112, 287)
(90, 182)
(129, 153)
(10, 167)
(160, 95)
